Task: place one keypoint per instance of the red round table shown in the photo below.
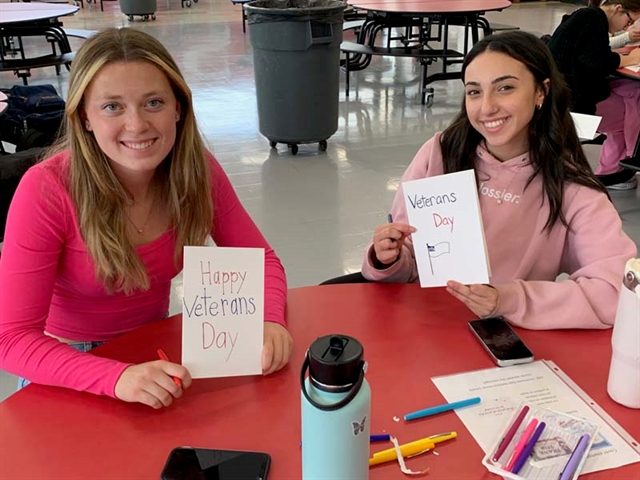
(409, 335)
(431, 6)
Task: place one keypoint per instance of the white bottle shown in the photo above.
(624, 375)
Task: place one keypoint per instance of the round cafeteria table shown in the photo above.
(431, 7)
(429, 16)
(12, 13)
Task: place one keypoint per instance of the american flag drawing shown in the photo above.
(434, 251)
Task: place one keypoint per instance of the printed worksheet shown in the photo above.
(542, 384)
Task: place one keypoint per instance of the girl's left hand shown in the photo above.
(480, 299)
(276, 349)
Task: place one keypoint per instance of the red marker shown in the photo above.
(510, 433)
(163, 356)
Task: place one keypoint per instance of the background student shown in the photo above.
(623, 37)
(580, 46)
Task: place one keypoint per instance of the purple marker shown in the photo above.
(528, 448)
(380, 437)
(575, 458)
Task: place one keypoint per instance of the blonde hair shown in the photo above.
(100, 199)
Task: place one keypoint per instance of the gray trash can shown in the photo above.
(144, 8)
(296, 56)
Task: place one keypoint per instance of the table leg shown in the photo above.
(346, 70)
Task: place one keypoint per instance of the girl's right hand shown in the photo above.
(151, 383)
(388, 240)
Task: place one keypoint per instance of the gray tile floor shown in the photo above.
(318, 210)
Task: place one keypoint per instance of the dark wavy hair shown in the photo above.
(629, 5)
(555, 151)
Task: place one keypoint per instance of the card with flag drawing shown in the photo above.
(449, 243)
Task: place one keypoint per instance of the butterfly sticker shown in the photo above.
(358, 427)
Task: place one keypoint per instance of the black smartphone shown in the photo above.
(187, 463)
(502, 343)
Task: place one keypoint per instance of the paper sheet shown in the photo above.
(502, 389)
(586, 125)
(634, 68)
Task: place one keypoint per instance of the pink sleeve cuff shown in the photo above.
(112, 379)
(399, 272)
(509, 302)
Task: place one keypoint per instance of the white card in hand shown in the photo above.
(449, 242)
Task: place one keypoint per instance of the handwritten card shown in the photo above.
(223, 311)
(449, 243)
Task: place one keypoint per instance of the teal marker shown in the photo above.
(441, 408)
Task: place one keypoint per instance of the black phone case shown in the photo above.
(188, 463)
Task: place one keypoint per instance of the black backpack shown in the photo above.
(12, 168)
(34, 116)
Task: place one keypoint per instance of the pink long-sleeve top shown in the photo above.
(48, 282)
(526, 258)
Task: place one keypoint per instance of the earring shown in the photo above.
(87, 125)
(539, 106)
(177, 118)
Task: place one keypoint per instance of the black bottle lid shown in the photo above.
(335, 362)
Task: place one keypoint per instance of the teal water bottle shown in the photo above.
(336, 410)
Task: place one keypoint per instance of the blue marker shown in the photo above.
(441, 408)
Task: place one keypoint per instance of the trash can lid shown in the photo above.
(286, 10)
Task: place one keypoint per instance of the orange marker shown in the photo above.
(163, 356)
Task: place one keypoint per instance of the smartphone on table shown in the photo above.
(501, 342)
(187, 463)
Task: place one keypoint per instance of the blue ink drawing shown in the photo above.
(434, 251)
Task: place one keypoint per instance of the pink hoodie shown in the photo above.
(525, 258)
